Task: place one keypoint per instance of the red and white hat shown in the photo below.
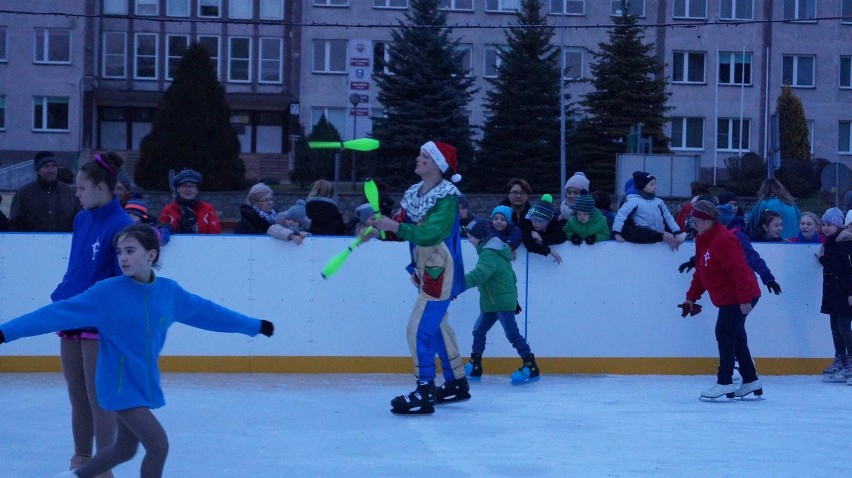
(444, 156)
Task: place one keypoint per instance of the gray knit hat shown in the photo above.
(833, 216)
(187, 176)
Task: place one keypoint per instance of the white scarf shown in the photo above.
(416, 206)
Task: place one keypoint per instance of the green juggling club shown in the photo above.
(372, 193)
(334, 264)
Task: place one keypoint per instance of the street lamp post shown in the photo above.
(355, 99)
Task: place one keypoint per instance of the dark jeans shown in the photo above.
(733, 345)
(487, 320)
(841, 333)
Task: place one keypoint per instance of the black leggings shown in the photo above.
(135, 426)
(841, 333)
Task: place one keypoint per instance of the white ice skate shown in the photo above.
(755, 388)
(717, 391)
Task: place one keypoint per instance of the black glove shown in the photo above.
(687, 266)
(685, 308)
(591, 239)
(517, 309)
(3, 337)
(773, 287)
(266, 328)
(576, 240)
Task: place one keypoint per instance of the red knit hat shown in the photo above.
(444, 156)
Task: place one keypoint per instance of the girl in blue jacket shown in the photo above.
(128, 375)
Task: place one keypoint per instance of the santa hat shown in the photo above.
(444, 156)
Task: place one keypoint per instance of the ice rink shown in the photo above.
(287, 425)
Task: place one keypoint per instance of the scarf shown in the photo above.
(188, 223)
(417, 206)
(271, 217)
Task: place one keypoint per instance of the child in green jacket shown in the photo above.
(586, 224)
(495, 279)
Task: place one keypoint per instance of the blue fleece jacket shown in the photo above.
(132, 319)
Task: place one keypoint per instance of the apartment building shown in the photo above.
(88, 74)
(726, 61)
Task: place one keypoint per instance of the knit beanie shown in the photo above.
(833, 216)
(42, 158)
(542, 209)
(296, 212)
(579, 181)
(727, 213)
(137, 207)
(187, 176)
(848, 218)
(364, 212)
(506, 211)
(584, 203)
(479, 228)
(641, 179)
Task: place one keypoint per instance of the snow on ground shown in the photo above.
(274, 425)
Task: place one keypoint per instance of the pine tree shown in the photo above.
(792, 127)
(425, 94)
(313, 164)
(192, 129)
(629, 88)
(521, 134)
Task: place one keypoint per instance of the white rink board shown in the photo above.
(606, 300)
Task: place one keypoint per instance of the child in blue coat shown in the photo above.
(127, 375)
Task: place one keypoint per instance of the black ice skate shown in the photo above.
(454, 391)
(419, 402)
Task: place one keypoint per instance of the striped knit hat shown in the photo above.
(542, 209)
(584, 203)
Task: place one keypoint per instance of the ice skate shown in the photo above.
(717, 391)
(528, 373)
(419, 402)
(473, 369)
(837, 365)
(755, 387)
(78, 460)
(736, 377)
(453, 391)
(844, 374)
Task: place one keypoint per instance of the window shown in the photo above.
(335, 116)
(146, 56)
(465, 58)
(844, 142)
(2, 113)
(329, 56)
(239, 9)
(798, 70)
(271, 9)
(271, 51)
(147, 7)
(456, 5)
(799, 9)
(177, 8)
(573, 63)
(687, 133)
(209, 8)
(737, 10)
(690, 9)
(239, 59)
(331, 3)
(634, 7)
(3, 56)
(688, 67)
(115, 7)
(211, 44)
(734, 69)
(510, 6)
(492, 61)
(52, 46)
(568, 7)
(846, 71)
(50, 113)
(846, 11)
(729, 136)
(115, 55)
(381, 57)
(390, 3)
(176, 46)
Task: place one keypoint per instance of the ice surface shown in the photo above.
(276, 425)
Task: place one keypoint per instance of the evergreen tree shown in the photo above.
(192, 129)
(792, 127)
(629, 88)
(521, 134)
(313, 164)
(425, 94)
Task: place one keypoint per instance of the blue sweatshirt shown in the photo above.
(133, 319)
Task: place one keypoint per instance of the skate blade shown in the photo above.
(413, 413)
(525, 381)
(834, 379)
(448, 401)
(726, 398)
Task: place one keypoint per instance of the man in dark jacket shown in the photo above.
(46, 204)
